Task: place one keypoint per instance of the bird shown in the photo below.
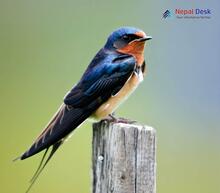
(111, 76)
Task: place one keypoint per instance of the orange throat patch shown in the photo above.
(136, 49)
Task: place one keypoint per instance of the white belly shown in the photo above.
(114, 101)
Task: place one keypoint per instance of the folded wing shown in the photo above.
(82, 101)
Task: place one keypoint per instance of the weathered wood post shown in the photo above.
(123, 158)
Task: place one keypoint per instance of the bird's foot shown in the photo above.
(114, 119)
(110, 118)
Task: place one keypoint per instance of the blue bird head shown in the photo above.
(123, 36)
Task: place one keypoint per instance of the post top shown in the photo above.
(126, 123)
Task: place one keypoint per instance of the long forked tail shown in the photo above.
(58, 129)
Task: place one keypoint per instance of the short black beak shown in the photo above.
(145, 39)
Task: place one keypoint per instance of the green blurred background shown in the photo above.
(45, 45)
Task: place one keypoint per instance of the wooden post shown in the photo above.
(123, 158)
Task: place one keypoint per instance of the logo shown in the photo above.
(166, 14)
(192, 13)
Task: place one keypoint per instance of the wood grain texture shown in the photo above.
(123, 158)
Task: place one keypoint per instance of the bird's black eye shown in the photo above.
(124, 40)
(129, 37)
(126, 37)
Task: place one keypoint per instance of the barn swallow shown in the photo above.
(113, 74)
